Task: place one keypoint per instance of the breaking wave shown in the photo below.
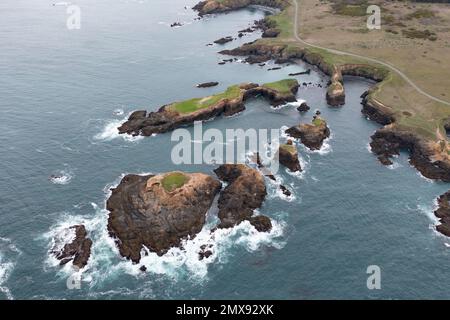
(61, 177)
(110, 132)
(8, 254)
(106, 263)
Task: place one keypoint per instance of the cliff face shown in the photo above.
(168, 118)
(424, 155)
(144, 211)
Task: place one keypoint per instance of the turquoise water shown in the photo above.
(60, 94)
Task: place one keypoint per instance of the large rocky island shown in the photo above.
(159, 211)
(175, 115)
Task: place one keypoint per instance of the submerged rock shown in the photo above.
(300, 73)
(244, 193)
(158, 212)
(311, 135)
(78, 251)
(224, 40)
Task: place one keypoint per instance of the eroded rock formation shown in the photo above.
(311, 135)
(78, 250)
(288, 156)
(244, 193)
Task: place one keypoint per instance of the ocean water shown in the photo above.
(65, 91)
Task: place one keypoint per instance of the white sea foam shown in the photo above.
(8, 254)
(294, 104)
(394, 165)
(5, 271)
(422, 176)
(61, 177)
(105, 262)
(110, 132)
(118, 112)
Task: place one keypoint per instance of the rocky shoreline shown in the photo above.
(427, 155)
(288, 156)
(170, 117)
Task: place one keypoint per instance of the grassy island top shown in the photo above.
(174, 181)
(289, 148)
(282, 86)
(232, 92)
(195, 104)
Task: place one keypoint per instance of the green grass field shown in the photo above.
(174, 181)
(195, 104)
(283, 86)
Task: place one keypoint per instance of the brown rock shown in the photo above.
(244, 193)
(311, 135)
(78, 251)
(144, 211)
(288, 156)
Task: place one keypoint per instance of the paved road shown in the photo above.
(388, 65)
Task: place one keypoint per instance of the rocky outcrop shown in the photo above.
(256, 159)
(443, 214)
(244, 193)
(303, 107)
(335, 94)
(223, 40)
(426, 156)
(168, 118)
(271, 33)
(158, 212)
(220, 6)
(288, 156)
(207, 84)
(311, 135)
(78, 250)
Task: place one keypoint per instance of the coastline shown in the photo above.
(429, 153)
